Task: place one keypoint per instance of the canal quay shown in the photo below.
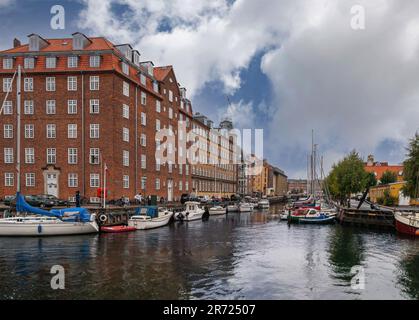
(234, 256)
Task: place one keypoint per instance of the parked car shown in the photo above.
(58, 202)
(203, 199)
(47, 200)
(32, 200)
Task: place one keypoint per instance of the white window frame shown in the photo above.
(29, 63)
(7, 63)
(51, 131)
(9, 179)
(51, 107)
(94, 83)
(7, 85)
(8, 131)
(143, 119)
(29, 155)
(125, 134)
(143, 98)
(73, 180)
(51, 62)
(28, 107)
(30, 179)
(125, 158)
(94, 180)
(143, 161)
(28, 84)
(125, 111)
(72, 83)
(125, 89)
(125, 181)
(50, 84)
(72, 106)
(72, 155)
(94, 61)
(72, 131)
(94, 152)
(51, 155)
(72, 62)
(29, 131)
(93, 104)
(94, 131)
(8, 155)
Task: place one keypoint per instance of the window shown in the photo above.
(125, 68)
(50, 84)
(94, 61)
(28, 107)
(72, 155)
(143, 119)
(29, 63)
(72, 83)
(180, 169)
(125, 158)
(143, 161)
(186, 186)
(9, 180)
(94, 105)
(29, 155)
(170, 167)
(143, 140)
(73, 180)
(51, 132)
(125, 182)
(29, 131)
(8, 131)
(125, 134)
(94, 83)
(72, 131)
(155, 86)
(143, 80)
(94, 156)
(72, 62)
(51, 156)
(180, 185)
(7, 85)
(7, 63)
(8, 155)
(143, 98)
(51, 62)
(158, 125)
(170, 113)
(28, 84)
(158, 106)
(30, 179)
(94, 180)
(143, 182)
(157, 184)
(51, 107)
(94, 131)
(157, 164)
(125, 111)
(125, 89)
(72, 106)
(8, 107)
(170, 95)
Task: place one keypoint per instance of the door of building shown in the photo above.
(170, 190)
(52, 184)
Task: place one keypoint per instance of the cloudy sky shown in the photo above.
(288, 66)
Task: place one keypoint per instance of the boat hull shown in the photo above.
(150, 224)
(58, 228)
(327, 220)
(232, 209)
(190, 217)
(117, 229)
(217, 212)
(407, 226)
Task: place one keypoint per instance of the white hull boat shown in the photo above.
(246, 207)
(263, 204)
(145, 222)
(217, 210)
(232, 208)
(45, 226)
(192, 212)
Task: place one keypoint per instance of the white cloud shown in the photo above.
(6, 3)
(355, 88)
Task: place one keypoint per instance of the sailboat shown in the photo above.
(69, 221)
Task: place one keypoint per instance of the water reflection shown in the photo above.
(408, 277)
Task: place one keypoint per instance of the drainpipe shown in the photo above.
(136, 141)
(82, 138)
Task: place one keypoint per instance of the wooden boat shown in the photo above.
(311, 216)
(407, 223)
(245, 207)
(192, 212)
(117, 229)
(321, 219)
(150, 217)
(217, 210)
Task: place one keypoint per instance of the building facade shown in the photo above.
(378, 168)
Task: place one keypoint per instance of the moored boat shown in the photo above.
(117, 229)
(407, 223)
(311, 216)
(150, 217)
(263, 204)
(233, 208)
(192, 212)
(217, 210)
(245, 207)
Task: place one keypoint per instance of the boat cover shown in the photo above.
(151, 211)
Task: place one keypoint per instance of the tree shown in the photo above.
(411, 169)
(388, 177)
(348, 177)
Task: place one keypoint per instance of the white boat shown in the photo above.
(217, 210)
(192, 212)
(45, 226)
(245, 207)
(150, 218)
(284, 216)
(263, 204)
(233, 208)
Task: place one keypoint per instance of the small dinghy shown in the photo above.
(117, 229)
(217, 210)
(232, 208)
(245, 207)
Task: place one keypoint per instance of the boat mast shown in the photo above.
(18, 102)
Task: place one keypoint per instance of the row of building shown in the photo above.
(92, 110)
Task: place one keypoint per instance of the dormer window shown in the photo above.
(125, 68)
(94, 61)
(126, 50)
(143, 79)
(36, 43)
(72, 62)
(155, 86)
(51, 62)
(136, 57)
(7, 63)
(80, 41)
(29, 63)
(150, 67)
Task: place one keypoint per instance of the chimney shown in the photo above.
(16, 43)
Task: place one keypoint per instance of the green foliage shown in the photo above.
(387, 199)
(411, 169)
(349, 176)
(388, 177)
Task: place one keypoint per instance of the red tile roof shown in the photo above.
(160, 73)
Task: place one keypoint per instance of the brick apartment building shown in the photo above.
(87, 102)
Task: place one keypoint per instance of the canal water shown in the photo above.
(238, 256)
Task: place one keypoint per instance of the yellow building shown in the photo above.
(395, 191)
